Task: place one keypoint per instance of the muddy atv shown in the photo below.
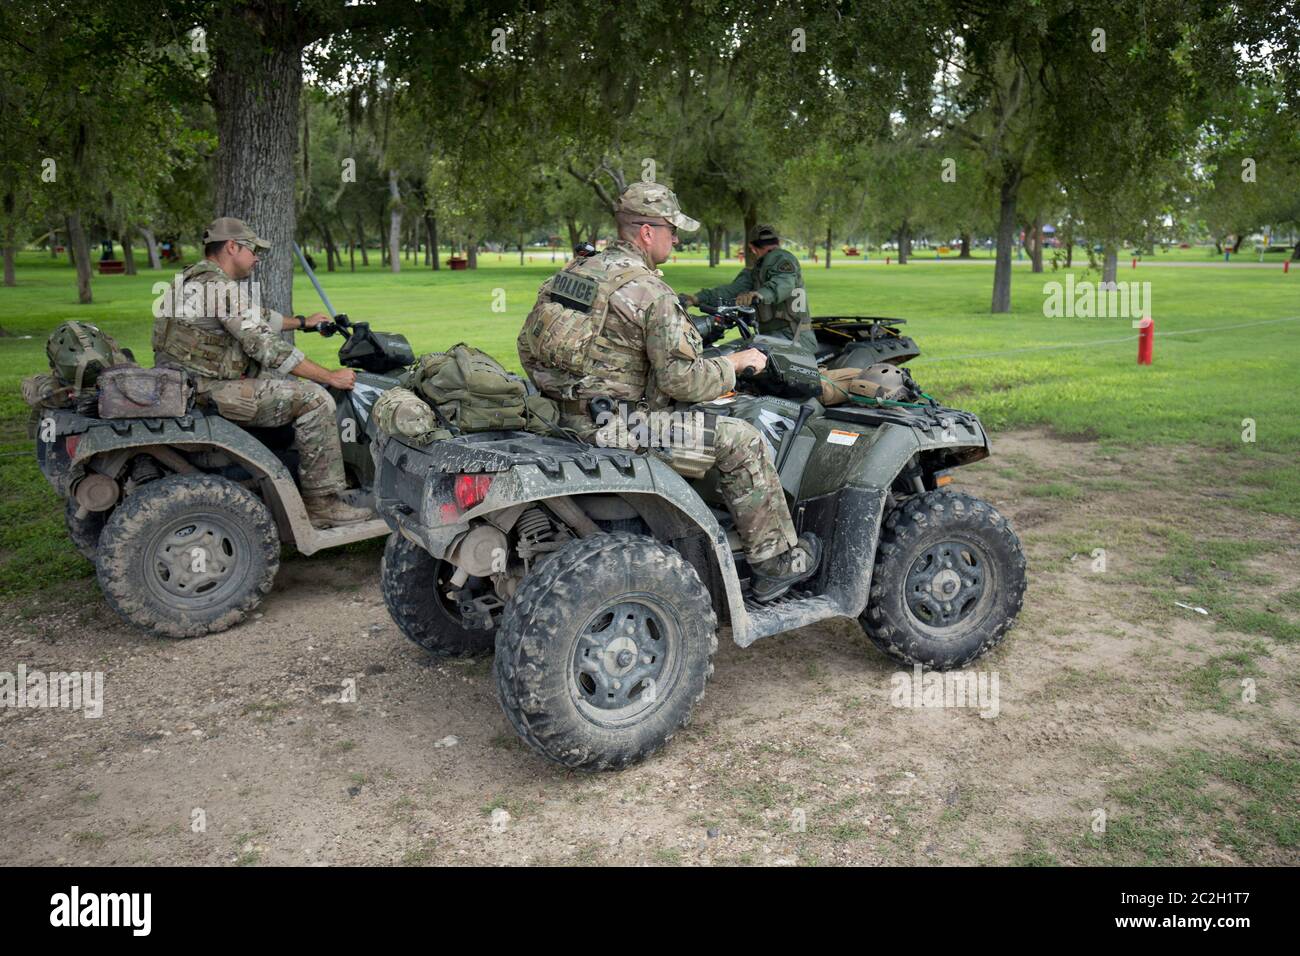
(183, 517)
(601, 578)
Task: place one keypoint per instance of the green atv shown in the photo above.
(601, 578)
(183, 517)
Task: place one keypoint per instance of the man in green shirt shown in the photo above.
(774, 285)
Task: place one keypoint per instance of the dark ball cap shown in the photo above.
(761, 235)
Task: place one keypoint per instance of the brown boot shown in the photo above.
(328, 510)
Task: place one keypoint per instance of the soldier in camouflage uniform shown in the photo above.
(773, 284)
(242, 366)
(645, 351)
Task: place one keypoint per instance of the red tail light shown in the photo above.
(70, 445)
(471, 490)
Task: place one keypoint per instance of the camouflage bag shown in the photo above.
(44, 391)
(127, 391)
(469, 389)
(400, 412)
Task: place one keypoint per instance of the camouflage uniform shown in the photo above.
(648, 353)
(226, 347)
(775, 277)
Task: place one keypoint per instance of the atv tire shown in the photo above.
(412, 583)
(604, 651)
(84, 532)
(188, 555)
(949, 580)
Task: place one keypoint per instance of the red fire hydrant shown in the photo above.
(1146, 338)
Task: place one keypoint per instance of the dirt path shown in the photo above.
(795, 756)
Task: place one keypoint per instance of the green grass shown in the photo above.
(1199, 390)
(1245, 802)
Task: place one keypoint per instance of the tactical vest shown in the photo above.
(564, 331)
(782, 319)
(212, 353)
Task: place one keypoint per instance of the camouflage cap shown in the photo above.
(763, 234)
(654, 202)
(228, 227)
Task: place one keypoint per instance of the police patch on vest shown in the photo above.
(785, 266)
(576, 292)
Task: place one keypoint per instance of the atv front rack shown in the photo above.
(871, 338)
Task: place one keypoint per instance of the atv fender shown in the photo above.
(673, 510)
(198, 431)
(959, 440)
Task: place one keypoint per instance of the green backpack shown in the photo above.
(470, 390)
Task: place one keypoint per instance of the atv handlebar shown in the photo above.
(339, 323)
(718, 319)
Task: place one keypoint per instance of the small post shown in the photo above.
(1146, 339)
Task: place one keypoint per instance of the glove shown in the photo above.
(748, 298)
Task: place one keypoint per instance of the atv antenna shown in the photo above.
(302, 260)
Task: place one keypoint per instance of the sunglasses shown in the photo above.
(661, 225)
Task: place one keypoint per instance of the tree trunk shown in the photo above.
(828, 244)
(1069, 254)
(1036, 254)
(81, 257)
(331, 251)
(1110, 265)
(471, 252)
(9, 254)
(965, 246)
(394, 223)
(151, 244)
(904, 242)
(54, 240)
(431, 226)
(751, 220)
(1006, 239)
(361, 240)
(1236, 246)
(255, 88)
(521, 248)
(726, 244)
(128, 252)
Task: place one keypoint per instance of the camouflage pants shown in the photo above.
(749, 484)
(267, 402)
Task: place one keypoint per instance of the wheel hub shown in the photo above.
(194, 558)
(620, 657)
(946, 584)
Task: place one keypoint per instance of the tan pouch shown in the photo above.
(128, 391)
(835, 384)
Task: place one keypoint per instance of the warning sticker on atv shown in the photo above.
(837, 437)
